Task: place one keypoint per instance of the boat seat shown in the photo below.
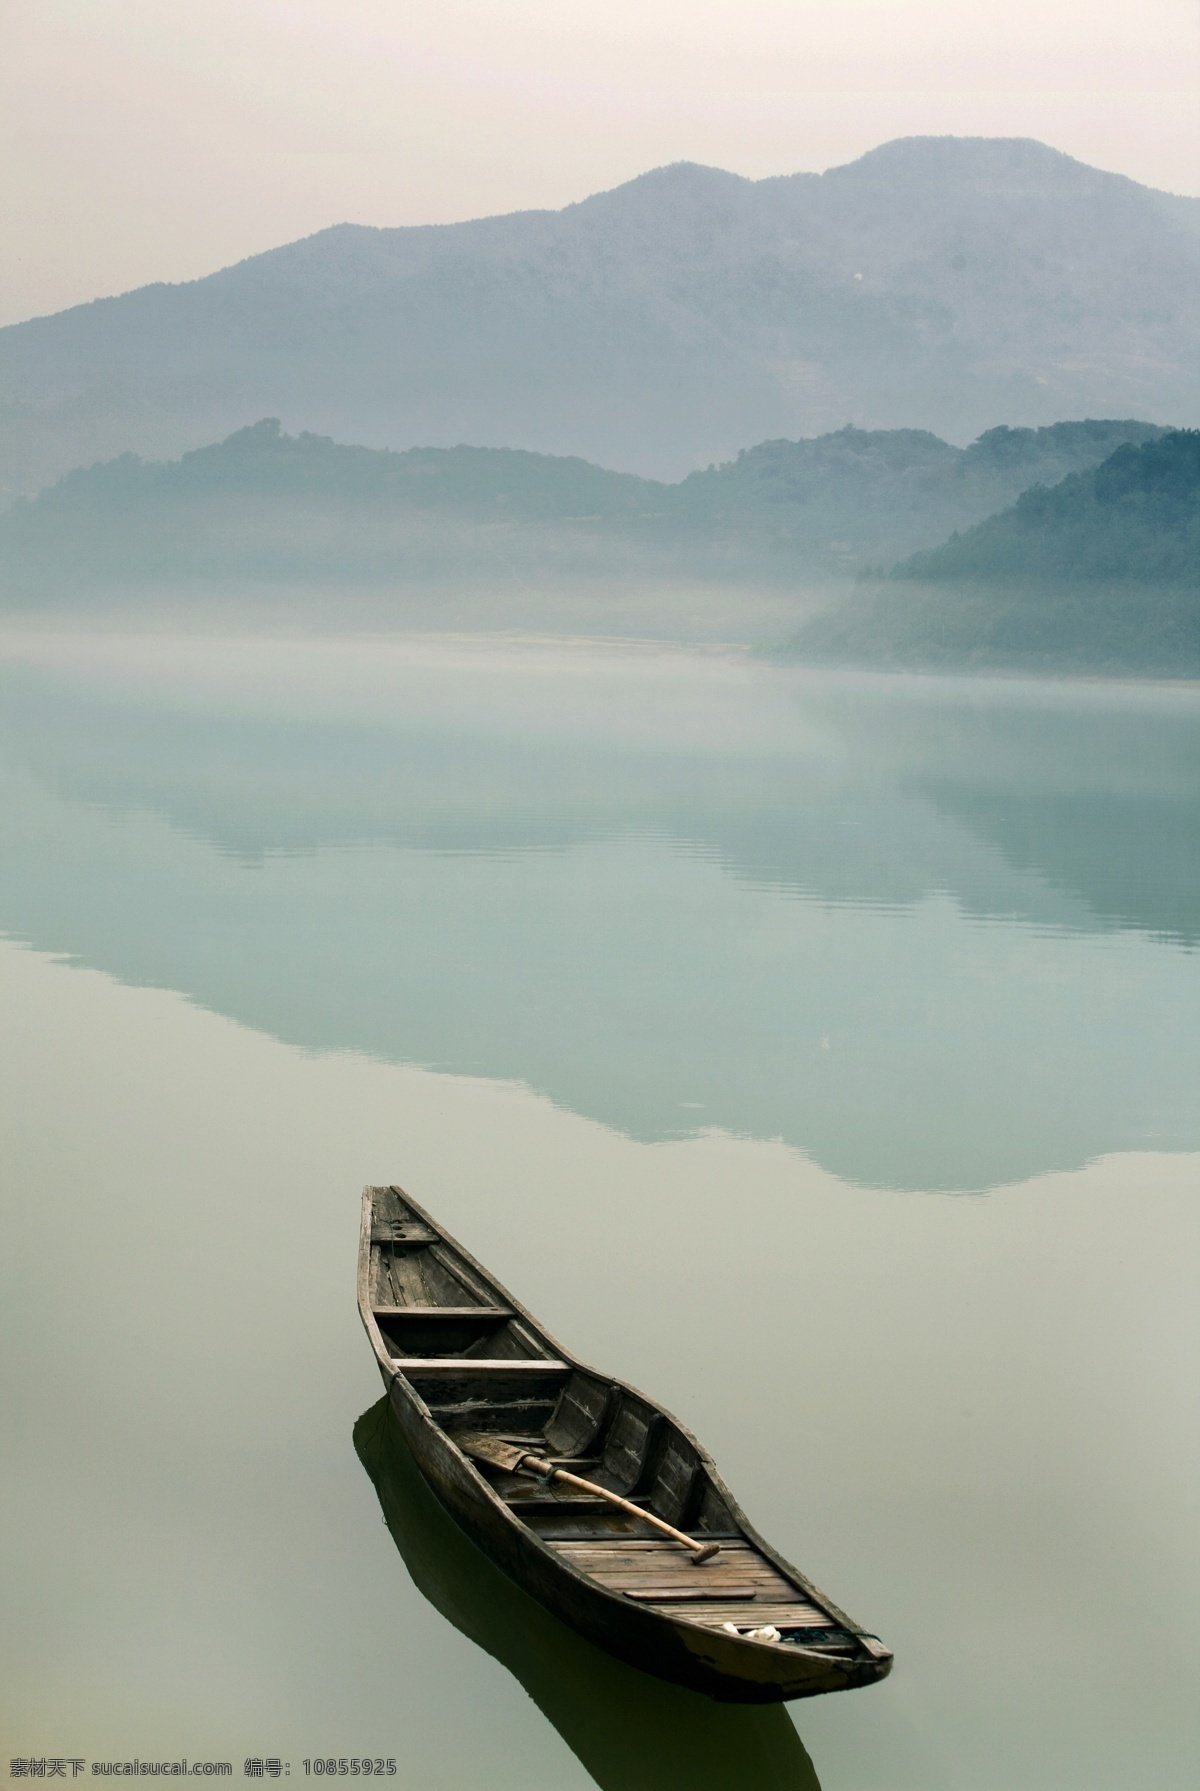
(474, 1364)
(399, 1236)
(487, 1333)
(445, 1312)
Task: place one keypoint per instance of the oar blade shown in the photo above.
(494, 1450)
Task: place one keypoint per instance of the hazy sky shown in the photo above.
(158, 139)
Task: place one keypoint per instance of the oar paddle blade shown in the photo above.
(494, 1450)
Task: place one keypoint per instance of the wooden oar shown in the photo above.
(516, 1460)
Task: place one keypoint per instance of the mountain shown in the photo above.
(266, 508)
(1099, 572)
(938, 283)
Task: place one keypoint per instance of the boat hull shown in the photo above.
(730, 1669)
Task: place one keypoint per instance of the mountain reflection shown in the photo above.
(936, 936)
(1101, 806)
(630, 1731)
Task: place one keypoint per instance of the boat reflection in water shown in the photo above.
(629, 1730)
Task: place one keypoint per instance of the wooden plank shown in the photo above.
(675, 1480)
(715, 1582)
(654, 1576)
(452, 1262)
(401, 1277)
(581, 1413)
(601, 1555)
(687, 1594)
(622, 1555)
(651, 1548)
(502, 1343)
(737, 1544)
(656, 1571)
(521, 1334)
(383, 1234)
(609, 1556)
(590, 1529)
(550, 1501)
(618, 1533)
(469, 1365)
(638, 1572)
(647, 1550)
(520, 1395)
(606, 1565)
(554, 1527)
(449, 1312)
(631, 1436)
(751, 1616)
(742, 1613)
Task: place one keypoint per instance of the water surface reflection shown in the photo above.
(630, 1731)
(936, 935)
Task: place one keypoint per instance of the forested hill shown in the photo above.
(1101, 572)
(303, 510)
(1134, 518)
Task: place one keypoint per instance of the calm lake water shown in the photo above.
(821, 1053)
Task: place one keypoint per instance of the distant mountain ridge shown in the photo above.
(265, 507)
(942, 283)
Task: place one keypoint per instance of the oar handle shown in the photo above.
(701, 1551)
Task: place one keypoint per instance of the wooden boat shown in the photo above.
(629, 1731)
(461, 1358)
